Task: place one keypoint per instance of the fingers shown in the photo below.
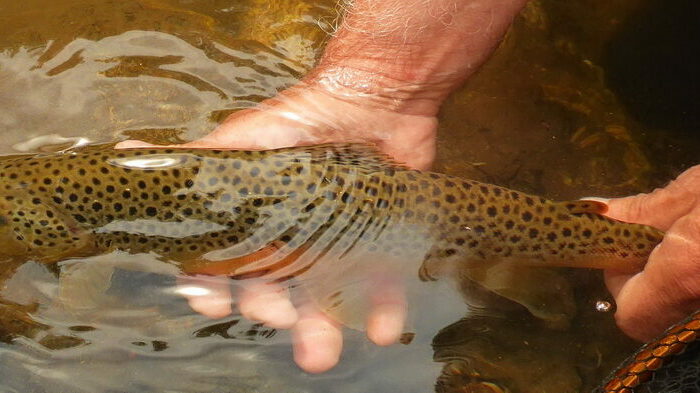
(269, 304)
(317, 340)
(388, 314)
(207, 295)
(134, 144)
(668, 288)
(662, 207)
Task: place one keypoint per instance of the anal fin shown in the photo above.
(544, 292)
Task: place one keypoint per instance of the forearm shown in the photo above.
(408, 55)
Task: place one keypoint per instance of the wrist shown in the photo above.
(409, 55)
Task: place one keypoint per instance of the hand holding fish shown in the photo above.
(668, 288)
(376, 82)
(309, 114)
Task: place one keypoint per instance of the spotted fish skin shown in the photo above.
(185, 203)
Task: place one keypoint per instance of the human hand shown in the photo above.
(668, 289)
(311, 114)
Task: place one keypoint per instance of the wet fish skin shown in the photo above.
(184, 203)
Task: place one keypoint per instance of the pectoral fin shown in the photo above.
(37, 229)
(82, 286)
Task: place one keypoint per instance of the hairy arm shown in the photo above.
(407, 56)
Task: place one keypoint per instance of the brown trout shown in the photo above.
(321, 214)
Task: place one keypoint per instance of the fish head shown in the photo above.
(31, 228)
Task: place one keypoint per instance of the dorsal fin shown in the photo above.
(585, 206)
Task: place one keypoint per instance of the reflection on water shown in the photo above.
(538, 117)
(133, 81)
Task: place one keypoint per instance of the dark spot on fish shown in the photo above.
(491, 211)
(346, 198)
(533, 233)
(285, 180)
(566, 232)
(527, 216)
(608, 240)
(551, 236)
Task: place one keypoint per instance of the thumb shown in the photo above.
(248, 129)
(663, 206)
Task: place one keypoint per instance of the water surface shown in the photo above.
(538, 117)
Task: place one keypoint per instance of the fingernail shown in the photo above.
(596, 199)
(385, 324)
(211, 306)
(273, 311)
(317, 346)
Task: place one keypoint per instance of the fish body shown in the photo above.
(297, 208)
